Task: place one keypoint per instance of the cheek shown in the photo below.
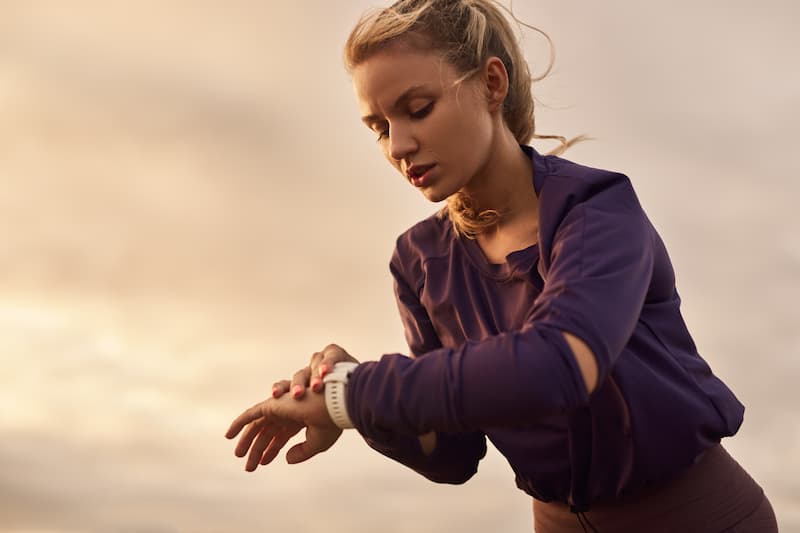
(470, 137)
(468, 123)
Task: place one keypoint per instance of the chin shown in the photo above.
(435, 196)
(438, 192)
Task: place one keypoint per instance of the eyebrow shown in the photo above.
(371, 119)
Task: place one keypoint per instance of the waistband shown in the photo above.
(713, 494)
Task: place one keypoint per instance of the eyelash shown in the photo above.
(417, 115)
(422, 113)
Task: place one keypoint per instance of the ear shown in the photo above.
(495, 79)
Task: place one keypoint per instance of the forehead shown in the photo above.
(386, 75)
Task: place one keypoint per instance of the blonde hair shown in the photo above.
(467, 33)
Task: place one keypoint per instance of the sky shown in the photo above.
(190, 207)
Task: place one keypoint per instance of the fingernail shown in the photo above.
(323, 369)
(316, 384)
(275, 392)
(297, 390)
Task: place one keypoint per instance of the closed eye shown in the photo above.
(383, 134)
(422, 113)
(416, 115)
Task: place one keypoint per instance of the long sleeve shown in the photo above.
(456, 456)
(599, 263)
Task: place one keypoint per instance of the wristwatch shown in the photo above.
(336, 393)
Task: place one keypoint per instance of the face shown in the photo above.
(436, 134)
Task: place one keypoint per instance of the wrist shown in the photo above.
(336, 393)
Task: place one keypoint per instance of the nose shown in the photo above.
(402, 143)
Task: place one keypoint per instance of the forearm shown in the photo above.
(441, 458)
(505, 380)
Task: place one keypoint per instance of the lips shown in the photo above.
(417, 171)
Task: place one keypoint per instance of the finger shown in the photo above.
(333, 355)
(301, 452)
(330, 358)
(326, 365)
(316, 378)
(315, 359)
(316, 442)
(316, 384)
(279, 388)
(275, 446)
(300, 382)
(247, 437)
(278, 442)
(254, 413)
(265, 436)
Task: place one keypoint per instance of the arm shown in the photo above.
(601, 262)
(442, 457)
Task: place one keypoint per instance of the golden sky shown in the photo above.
(190, 207)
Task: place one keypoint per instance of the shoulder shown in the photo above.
(566, 184)
(568, 190)
(596, 207)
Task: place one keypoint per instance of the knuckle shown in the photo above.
(336, 357)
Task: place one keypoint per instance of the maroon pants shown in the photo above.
(715, 495)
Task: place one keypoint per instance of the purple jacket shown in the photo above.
(491, 359)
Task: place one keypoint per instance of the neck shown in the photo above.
(505, 184)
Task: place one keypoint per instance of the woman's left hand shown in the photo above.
(270, 424)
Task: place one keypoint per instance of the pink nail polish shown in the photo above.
(297, 390)
(316, 384)
(323, 369)
(275, 393)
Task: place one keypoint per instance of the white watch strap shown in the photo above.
(336, 393)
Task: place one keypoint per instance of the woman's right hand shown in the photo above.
(311, 376)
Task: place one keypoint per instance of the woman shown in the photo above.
(539, 307)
